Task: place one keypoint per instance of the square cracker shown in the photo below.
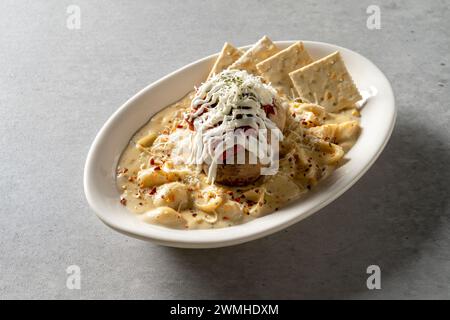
(276, 68)
(260, 51)
(327, 83)
(227, 56)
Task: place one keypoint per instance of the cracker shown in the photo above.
(276, 69)
(227, 56)
(260, 51)
(327, 83)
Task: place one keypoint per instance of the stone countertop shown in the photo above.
(58, 86)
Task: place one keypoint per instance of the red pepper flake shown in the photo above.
(123, 201)
(180, 126)
(152, 191)
(226, 218)
(152, 161)
(157, 168)
(268, 109)
(237, 199)
(190, 125)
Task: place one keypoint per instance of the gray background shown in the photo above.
(58, 86)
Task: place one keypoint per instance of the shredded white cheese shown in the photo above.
(228, 101)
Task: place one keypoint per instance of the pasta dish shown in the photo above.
(263, 129)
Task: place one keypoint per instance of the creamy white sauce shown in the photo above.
(302, 165)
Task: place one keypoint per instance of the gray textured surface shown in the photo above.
(57, 87)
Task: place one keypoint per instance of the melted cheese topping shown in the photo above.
(228, 101)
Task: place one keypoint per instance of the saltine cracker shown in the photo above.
(260, 51)
(227, 56)
(327, 83)
(276, 69)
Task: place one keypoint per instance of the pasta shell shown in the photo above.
(165, 216)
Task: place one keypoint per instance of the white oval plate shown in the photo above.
(377, 121)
